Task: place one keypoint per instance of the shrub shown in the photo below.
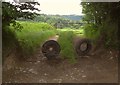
(91, 31)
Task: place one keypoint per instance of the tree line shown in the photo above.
(58, 21)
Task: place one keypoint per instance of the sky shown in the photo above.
(60, 7)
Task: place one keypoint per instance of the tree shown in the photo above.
(11, 12)
(105, 16)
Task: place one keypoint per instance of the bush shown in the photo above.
(106, 34)
(9, 41)
(110, 30)
(91, 31)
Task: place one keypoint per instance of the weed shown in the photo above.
(66, 42)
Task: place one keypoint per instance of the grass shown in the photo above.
(78, 32)
(36, 26)
(66, 42)
(33, 35)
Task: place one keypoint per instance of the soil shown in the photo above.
(100, 66)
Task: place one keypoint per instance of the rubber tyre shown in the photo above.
(78, 45)
(55, 49)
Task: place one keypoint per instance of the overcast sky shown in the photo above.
(61, 7)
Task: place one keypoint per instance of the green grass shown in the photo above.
(33, 35)
(78, 32)
(36, 26)
(90, 31)
(66, 42)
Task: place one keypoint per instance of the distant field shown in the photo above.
(79, 32)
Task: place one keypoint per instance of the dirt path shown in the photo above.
(101, 66)
(97, 68)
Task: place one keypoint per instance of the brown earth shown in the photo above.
(100, 66)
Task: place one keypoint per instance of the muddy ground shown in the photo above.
(101, 66)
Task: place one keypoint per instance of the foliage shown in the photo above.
(11, 12)
(33, 36)
(111, 34)
(9, 41)
(58, 21)
(98, 12)
(91, 31)
(105, 18)
(39, 25)
(66, 42)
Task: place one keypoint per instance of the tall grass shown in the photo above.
(66, 42)
(33, 35)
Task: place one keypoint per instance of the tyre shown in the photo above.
(83, 46)
(51, 49)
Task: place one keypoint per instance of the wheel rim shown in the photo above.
(83, 46)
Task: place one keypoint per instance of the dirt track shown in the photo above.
(99, 67)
